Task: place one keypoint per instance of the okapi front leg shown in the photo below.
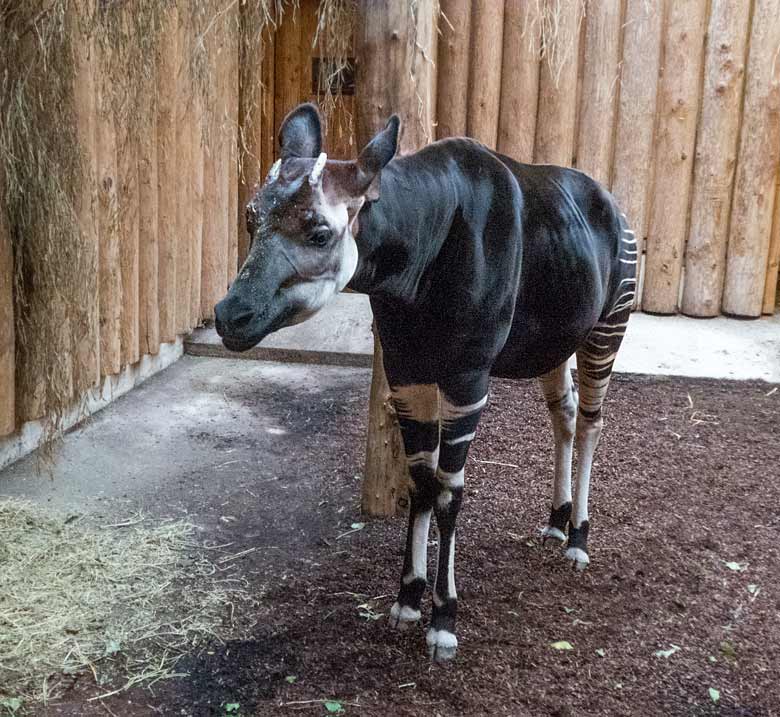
(418, 415)
(458, 427)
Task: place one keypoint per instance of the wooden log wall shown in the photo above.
(674, 106)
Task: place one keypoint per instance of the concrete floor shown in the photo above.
(656, 345)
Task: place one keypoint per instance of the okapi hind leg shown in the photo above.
(594, 370)
(561, 398)
(417, 407)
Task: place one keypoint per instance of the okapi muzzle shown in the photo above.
(301, 224)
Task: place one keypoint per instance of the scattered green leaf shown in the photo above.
(601, 652)
(291, 679)
(232, 708)
(737, 567)
(568, 610)
(334, 707)
(753, 589)
(714, 694)
(728, 650)
(112, 647)
(12, 704)
(562, 645)
(666, 654)
(357, 526)
(712, 658)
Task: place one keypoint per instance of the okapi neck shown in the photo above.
(400, 234)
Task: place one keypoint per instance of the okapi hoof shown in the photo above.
(556, 526)
(577, 549)
(442, 645)
(403, 616)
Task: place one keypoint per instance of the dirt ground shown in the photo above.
(681, 595)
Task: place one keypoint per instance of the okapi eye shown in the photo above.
(321, 236)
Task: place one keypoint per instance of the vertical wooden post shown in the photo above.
(184, 182)
(773, 266)
(232, 122)
(716, 156)
(196, 207)
(110, 277)
(487, 32)
(395, 45)
(557, 107)
(678, 108)
(453, 68)
(519, 81)
(634, 143)
(148, 238)
(217, 220)
(599, 88)
(7, 331)
(168, 170)
(759, 154)
(127, 163)
(87, 343)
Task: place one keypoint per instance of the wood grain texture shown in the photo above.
(110, 276)
(7, 330)
(168, 181)
(487, 32)
(601, 55)
(771, 295)
(716, 157)
(557, 106)
(519, 81)
(148, 257)
(632, 164)
(453, 68)
(196, 208)
(678, 108)
(759, 155)
(184, 182)
(393, 45)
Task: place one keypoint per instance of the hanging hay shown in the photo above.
(122, 603)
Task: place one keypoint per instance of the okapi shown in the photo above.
(476, 266)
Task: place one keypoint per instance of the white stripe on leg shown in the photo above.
(422, 523)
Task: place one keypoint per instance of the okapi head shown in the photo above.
(302, 228)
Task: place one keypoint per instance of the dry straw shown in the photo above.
(120, 603)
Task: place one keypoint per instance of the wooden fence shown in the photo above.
(675, 106)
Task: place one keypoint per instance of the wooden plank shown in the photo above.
(771, 295)
(184, 180)
(268, 110)
(287, 77)
(128, 198)
(453, 64)
(759, 154)
(678, 108)
(557, 107)
(87, 341)
(519, 81)
(599, 86)
(632, 164)
(487, 32)
(217, 220)
(148, 258)
(7, 331)
(232, 119)
(168, 180)
(196, 203)
(392, 46)
(110, 276)
(716, 156)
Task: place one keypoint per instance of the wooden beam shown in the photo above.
(148, 237)
(632, 164)
(453, 68)
(771, 295)
(519, 81)
(184, 182)
(7, 330)
(716, 156)
(395, 45)
(678, 110)
(759, 155)
(168, 181)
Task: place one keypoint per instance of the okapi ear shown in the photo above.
(375, 155)
(301, 133)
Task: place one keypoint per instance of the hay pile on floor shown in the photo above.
(120, 603)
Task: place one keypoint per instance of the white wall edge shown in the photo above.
(30, 435)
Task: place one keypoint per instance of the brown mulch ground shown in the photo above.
(685, 483)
